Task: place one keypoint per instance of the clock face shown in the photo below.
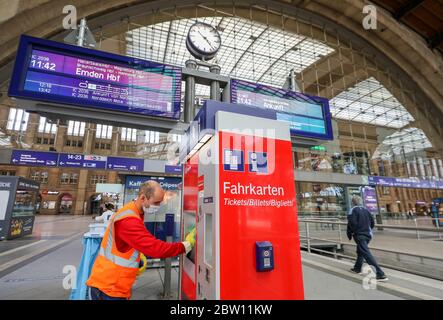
(203, 40)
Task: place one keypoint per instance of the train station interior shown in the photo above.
(262, 122)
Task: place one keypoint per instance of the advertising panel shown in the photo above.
(370, 199)
(21, 226)
(257, 201)
(7, 187)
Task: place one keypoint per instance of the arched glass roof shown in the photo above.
(250, 50)
(370, 102)
(260, 53)
(407, 140)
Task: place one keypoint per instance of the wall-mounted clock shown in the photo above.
(203, 41)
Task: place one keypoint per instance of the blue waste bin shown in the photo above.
(91, 246)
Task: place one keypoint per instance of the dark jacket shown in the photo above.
(360, 222)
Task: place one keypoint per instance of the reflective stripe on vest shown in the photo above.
(107, 252)
(127, 263)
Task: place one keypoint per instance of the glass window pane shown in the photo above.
(17, 119)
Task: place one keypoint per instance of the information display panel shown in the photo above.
(34, 158)
(309, 116)
(125, 164)
(405, 182)
(57, 73)
(82, 161)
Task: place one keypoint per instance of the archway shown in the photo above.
(95, 204)
(392, 46)
(38, 203)
(65, 205)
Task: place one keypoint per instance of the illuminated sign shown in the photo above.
(309, 116)
(82, 161)
(173, 169)
(370, 199)
(53, 72)
(167, 183)
(34, 158)
(125, 164)
(405, 182)
(318, 148)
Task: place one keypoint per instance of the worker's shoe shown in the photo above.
(382, 278)
(356, 271)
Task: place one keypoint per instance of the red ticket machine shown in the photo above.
(239, 191)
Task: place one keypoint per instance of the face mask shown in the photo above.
(152, 209)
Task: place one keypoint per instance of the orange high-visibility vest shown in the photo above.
(114, 272)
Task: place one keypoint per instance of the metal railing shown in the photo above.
(327, 162)
(336, 221)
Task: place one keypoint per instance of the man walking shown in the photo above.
(360, 225)
(117, 264)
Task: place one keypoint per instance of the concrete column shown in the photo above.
(4, 114)
(29, 133)
(83, 184)
(112, 177)
(428, 168)
(23, 171)
(226, 95)
(115, 143)
(421, 167)
(434, 168)
(215, 85)
(414, 165)
(440, 167)
(53, 179)
(89, 138)
(408, 168)
(60, 137)
(189, 109)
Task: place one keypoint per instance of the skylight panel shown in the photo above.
(268, 45)
(370, 95)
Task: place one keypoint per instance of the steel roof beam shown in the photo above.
(407, 8)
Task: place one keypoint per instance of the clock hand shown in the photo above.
(205, 38)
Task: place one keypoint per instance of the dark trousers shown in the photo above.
(363, 253)
(96, 294)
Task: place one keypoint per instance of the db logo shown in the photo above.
(266, 253)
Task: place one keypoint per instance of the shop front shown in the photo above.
(65, 204)
(18, 204)
(155, 222)
(320, 199)
(332, 200)
(49, 200)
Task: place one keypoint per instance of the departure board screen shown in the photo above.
(59, 73)
(308, 116)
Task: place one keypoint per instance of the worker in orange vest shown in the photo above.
(115, 268)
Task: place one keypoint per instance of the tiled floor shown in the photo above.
(43, 277)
